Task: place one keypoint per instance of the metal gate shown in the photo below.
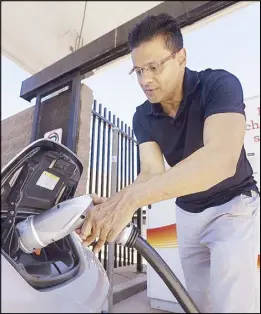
(100, 172)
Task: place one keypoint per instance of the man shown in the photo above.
(195, 120)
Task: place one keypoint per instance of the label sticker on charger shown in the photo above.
(47, 180)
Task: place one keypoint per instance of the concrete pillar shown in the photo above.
(83, 144)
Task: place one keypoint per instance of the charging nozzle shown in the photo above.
(37, 231)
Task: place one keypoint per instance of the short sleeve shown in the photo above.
(142, 135)
(225, 95)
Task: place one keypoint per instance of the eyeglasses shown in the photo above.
(153, 68)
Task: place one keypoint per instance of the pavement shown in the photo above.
(138, 303)
(128, 282)
(130, 291)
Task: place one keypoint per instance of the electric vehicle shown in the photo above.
(45, 268)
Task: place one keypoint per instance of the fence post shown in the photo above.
(111, 247)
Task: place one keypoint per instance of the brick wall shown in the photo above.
(15, 134)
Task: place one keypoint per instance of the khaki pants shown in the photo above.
(218, 250)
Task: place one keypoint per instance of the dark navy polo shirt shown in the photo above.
(205, 93)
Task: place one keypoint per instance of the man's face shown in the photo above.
(158, 86)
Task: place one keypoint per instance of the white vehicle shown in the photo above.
(44, 266)
(63, 276)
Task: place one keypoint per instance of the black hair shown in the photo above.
(153, 26)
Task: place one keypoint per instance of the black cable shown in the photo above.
(166, 274)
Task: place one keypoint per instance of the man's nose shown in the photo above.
(145, 79)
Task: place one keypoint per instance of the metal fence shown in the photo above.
(99, 180)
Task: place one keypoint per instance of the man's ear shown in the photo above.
(182, 57)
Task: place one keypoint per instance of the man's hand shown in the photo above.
(107, 219)
(96, 199)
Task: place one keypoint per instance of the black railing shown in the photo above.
(100, 172)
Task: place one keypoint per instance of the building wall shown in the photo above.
(15, 134)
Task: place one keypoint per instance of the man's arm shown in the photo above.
(151, 161)
(215, 162)
(110, 217)
(151, 158)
